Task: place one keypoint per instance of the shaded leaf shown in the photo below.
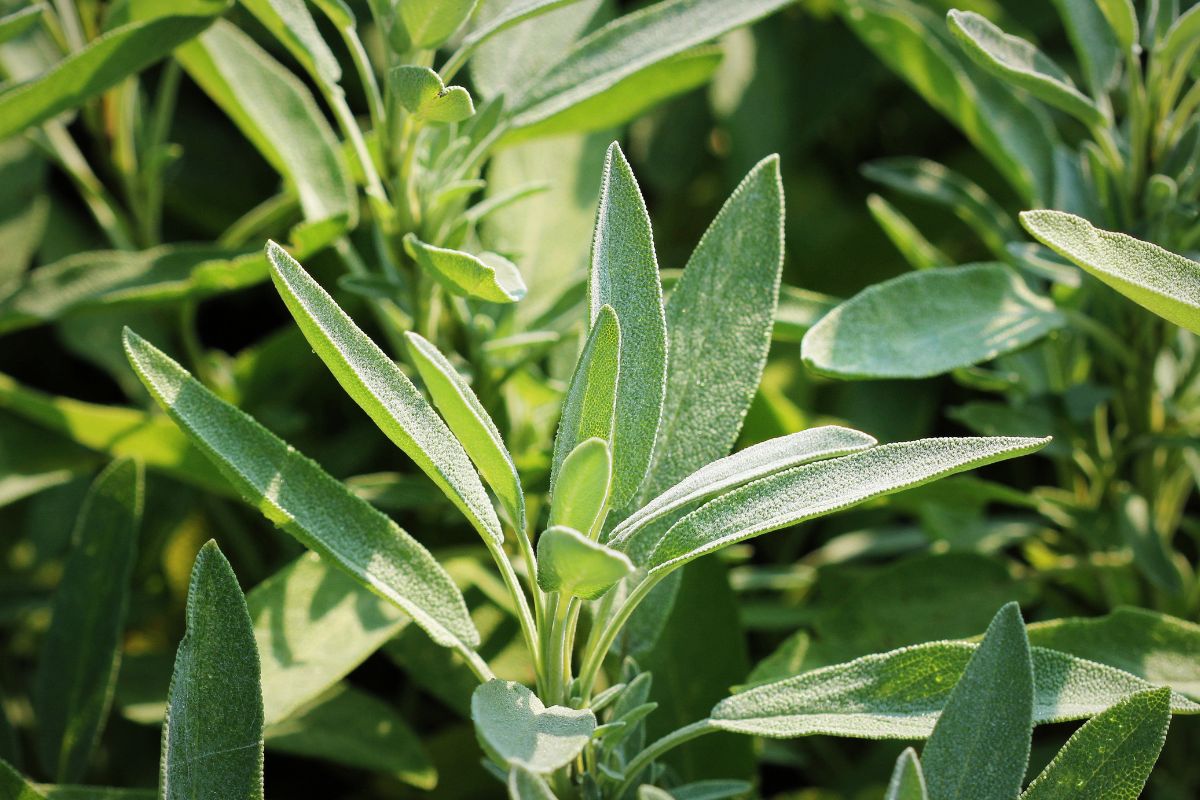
(1093, 41)
(290, 22)
(526, 785)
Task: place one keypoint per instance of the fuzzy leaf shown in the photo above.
(516, 729)
(1183, 32)
(212, 742)
(431, 22)
(487, 276)
(421, 91)
(581, 495)
(526, 785)
(589, 410)
(573, 564)
(908, 782)
(290, 22)
(926, 323)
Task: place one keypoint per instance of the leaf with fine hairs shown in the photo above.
(515, 728)
(908, 781)
(589, 409)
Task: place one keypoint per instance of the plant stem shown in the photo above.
(524, 615)
(594, 657)
(672, 740)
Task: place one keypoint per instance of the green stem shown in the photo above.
(160, 127)
(524, 615)
(594, 658)
(62, 148)
(672, 740)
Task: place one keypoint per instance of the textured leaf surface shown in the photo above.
(589, 410)
(515, 728)
(487, 276)
(290, 22)
(581, 495)
(382, 390)
(430, 22)
(82, 649)
(421, 91)
(296, 494)
(908, 782)
(1111, 755)
(526, 785)
(1157, 279)
(212, 742)
(816, 489)
(573, 564)
(926, 323)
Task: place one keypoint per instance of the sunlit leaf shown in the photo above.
(515, 728)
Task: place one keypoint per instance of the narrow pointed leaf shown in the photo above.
(918, 251)
(82, 650)
(573, 564)
(581, 495)
(1123, 19)
(589, 410)
(1093, 41)
(14, 786)
(382, 390)
(515, 728)
(487, 276)
(523, 784)
(290, 22)
(821, 488)
(14, 24)
(1183, 31)
(1157, 279)
(296, 494)
(908, 781)
(212, 741)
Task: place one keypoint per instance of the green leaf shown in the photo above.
(899, 694)
(799, 310)
(296, 494)
(516, 729)
(212, 741)
(918, 251)
(525, 785)
(487, 276)
(908, 782)
(277, 113)
(928, 323)
(1123, 19)
(624, 275)
(421, 91)
(746, 466)
(1154, 278)
(14, 786)
(17, 23)
(573, 564)
(1094, 43)
(24, 209)
(1180, 35)
(1020, 63)
(290, 22)
(814, 490)
(966, 760)
(628, 45)
(431, 22)
(382, 390)
(711, 790)
(104, 62)
(469, 421)
(82, 649)
(580, 499)
(589, 410)
(1112, 755)
(1151, 553)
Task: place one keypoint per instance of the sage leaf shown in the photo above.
(1020, 63)
(1151, 553)
(716, 789)
(1123, 19)
(1154, 278)
(431, 22)
(1111, 755)
(966, 760)
(918, 251)
(470, 422)
(571, 563)
(212, 741)
(813, 490)
(13, 785)
(1183, 32)
(515, 728)
(908, 781)
(745, 466)
(487, 276)
(290, 22)
(81, 653)
(624, 275)
(927, 323)
(524, 784)
(421, 91)
(1094, 43)
(296, 494)
(581, 497)
(18, 22)
(589, 409)
(382, 390)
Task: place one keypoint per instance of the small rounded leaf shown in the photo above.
(581, 494)
(487, 276)
(573, 564)
(421, 91)
(515, 728)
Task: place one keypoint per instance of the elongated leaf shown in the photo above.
(277, 113)
(17, 23)
(898, 695)
(573, 564)
(24, 209)
(821, 488)
(624, 275)
(1111, 755)
(515, 728)
(927, 323)
(1123, 19)
(82, 650)
(581, 496)
(290, 22)
(470, 422)
(382, 390)
(487, 276)
(758, 461)
(212, 742)
(589, 410)
(431, 22)
(1151, 554)
(14, 786)
(1020, 63)
(918, 251)
(628, 45)
(966, 760)
(908, 782)
(104, 62)
(296, 494)
(523, 784)
(1094, 43)
(1183, 31)
(1157, 279)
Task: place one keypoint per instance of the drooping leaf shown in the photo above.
(589, 410)
(296, 494)
(431, 22)
(581, 495)
(523, 784)
(820, 488)
(908, 782)
(515, 728)
(421, 91)
(487, 276)
(382, 390)
(82, 649)
(926, 323)
(1154, 278)
(573, 564)
(212, 741)
(966, 760)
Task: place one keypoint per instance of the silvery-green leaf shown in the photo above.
(589, 410)
(212, 741)
(1020, 63)
(1094, 43)
(966, 759)
(757, 461)
(296, 494)
(1123, 19)
(899, 694)
(382, 390)
(581, 494)
(926, 323)
(17, 23)
(799, 310)
(573, 564)
(823, 487)
(918, 251)
(515, 728)
(624, 275)
(1112, 755)
(1157, 279)
(526, 785)
(290, 22)
(908, 782)
(431, 22)
(470, 422)
(421, 91)
(487, 276)
(82, 649)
